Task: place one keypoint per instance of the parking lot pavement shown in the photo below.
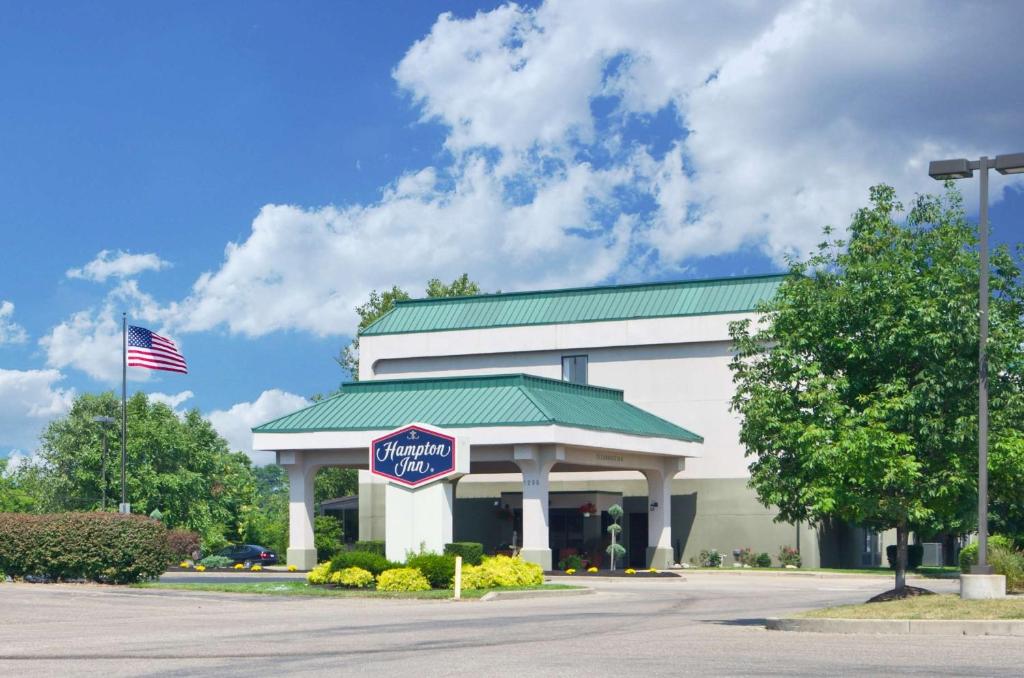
(656, 627)
(228, 577)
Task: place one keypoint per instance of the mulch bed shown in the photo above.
(907, 592)
(640, 574)
(223, 569)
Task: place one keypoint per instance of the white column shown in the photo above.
(659, 520)
(419, 518)
(535, 463)
(301, 547)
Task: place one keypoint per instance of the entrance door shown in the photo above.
(565, 532)
(637, 540)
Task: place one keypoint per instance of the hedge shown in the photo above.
(371, 562)
(438, 569)
(103, 547)
(472, 552)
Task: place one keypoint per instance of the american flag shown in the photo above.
(150, 350)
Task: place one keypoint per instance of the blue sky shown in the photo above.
(278, 160)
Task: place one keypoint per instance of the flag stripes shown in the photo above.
(154, 352)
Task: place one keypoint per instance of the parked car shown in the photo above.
(249, 555)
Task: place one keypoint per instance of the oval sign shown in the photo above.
(413, 456)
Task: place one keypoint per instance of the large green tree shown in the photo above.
(380, 303)
(858, 386)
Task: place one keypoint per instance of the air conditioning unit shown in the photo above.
(932, 554)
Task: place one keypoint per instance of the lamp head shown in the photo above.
(1011, 163)
(949, 169)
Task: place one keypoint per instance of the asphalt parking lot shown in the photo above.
(707, 624)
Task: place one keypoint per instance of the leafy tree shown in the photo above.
(327, 536)
(858, 387)
(380, 303)
(331, 483)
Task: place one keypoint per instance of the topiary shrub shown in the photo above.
(472, 552)
(183, 543)
(915, 554)
(438, 569)
(402, 579)
(319, 574)
(371, 562)
(352, 578)
(109, 548)
(502, 571)
(969, 553)
(370, 547)
(763, 560)
(216, 561)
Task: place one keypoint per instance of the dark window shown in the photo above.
(574, 369)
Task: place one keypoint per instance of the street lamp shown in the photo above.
(960, 168)
(104, 421)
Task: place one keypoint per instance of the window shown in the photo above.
(574, 369)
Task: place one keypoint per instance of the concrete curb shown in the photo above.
(905, 627)
(757, 572)
(536, 593)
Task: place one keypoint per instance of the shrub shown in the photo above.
(373, 563)
(369, 546)
(630, 570)
(326, 537)
(572, 562)
(502, 571)
(789, 556)
(438, 569)
(709, 558)
(402, 579)
(969, 553)
(216, 561)
(183, 543)
(319, 574)
(256, 568)
(472, 552)
(102, 547)
(763, 560)
(747, 557)
(352, 578)
(915, 554)
(1010, 564)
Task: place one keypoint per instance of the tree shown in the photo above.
(858, 386)
(380, 303)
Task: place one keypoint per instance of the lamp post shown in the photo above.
(104, 421)
(961, 168)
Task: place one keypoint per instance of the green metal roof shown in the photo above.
(585, 304)
(459, 402)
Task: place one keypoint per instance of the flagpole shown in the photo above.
(124, 508)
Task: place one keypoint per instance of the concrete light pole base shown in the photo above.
(540, 556)
(659, 557)
(303, 559)
(982, 586)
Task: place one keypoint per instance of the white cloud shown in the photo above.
(172, 400)
(29, 399)
(10, 331)
(117, 264)
(235, 424)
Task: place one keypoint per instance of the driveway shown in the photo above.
(703, 624)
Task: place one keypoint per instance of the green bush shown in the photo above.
(183, 543)
(502, 571)
(709, 558)
(216, 561)
(319, 574)
(789, 556)
(915, 554)
(573, 562)
(1010, 564)
(763, 560)
(369, 546)
(747, 557)
(102, 547)
(373, 563)
(438, 569)
(326, 537)
(352, 578)
(472, 552)
(969, 553)
(402, 579)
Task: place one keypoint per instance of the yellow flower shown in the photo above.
(571, 570)
(592, 570)
(292, 568)
(652, 570)
(256, 568)
(239, 566)
(185, 564)
(630, 570)
(200, 568)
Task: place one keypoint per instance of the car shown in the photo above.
(249, 555)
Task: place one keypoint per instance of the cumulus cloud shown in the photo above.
(10, 331)
(235, 423)
(117, 264)
(172, 400)
(29, 399)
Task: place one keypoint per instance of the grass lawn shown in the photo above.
(927, 607)
(301, 588)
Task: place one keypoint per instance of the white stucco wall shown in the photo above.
(677, 368)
